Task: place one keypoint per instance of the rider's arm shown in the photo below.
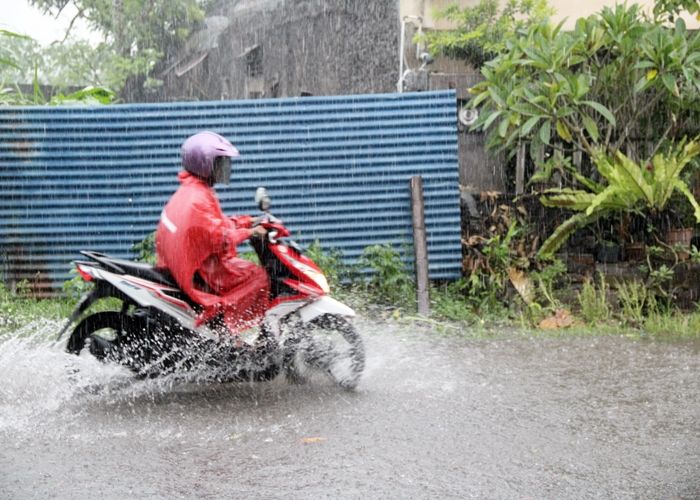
(242, 220)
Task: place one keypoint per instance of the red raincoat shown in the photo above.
(197, 243)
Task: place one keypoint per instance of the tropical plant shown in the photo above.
(481, 29)
(630, 187)
(606, 85)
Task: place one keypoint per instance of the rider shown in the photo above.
(197, 243)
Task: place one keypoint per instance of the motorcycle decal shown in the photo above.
(304, 269)
(157, 290)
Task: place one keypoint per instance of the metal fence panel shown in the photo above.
(337, 169)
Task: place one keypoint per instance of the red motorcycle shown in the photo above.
(157, 329)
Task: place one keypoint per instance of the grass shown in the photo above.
(675, 325)
(455, 308)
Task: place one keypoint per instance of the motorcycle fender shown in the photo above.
(324, 305)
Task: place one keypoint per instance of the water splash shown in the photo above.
(39, 380)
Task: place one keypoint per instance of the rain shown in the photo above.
(369, 390)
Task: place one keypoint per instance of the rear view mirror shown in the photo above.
(262, 199)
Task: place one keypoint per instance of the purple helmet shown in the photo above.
(200, 151)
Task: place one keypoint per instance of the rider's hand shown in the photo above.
(258, 231)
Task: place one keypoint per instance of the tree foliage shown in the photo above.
(136, 34)
(480, 30)
(670, 9)
(614, 80)
(16, 66)
(616, 90)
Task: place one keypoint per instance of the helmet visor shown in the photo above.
(222, 170)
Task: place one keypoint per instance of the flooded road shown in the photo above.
(434, 417)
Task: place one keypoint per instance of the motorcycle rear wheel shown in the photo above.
(104, 330)
(331, 345)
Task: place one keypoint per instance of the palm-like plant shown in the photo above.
(630, 187)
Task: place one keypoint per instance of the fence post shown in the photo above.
(420, 245)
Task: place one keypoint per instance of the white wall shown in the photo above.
(564, 9)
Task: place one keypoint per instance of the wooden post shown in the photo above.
(420, 245)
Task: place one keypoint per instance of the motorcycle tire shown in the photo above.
(120, 339)
(328, 344)
(104, 330)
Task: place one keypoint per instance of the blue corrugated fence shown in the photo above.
(337, 170)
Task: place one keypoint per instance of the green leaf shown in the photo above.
(38, 94)
(562, 233)
(500, 102)
(12, 34)
(670, 84)
(503, 127)
(529, 125)
(603, 111)
(582, 86)
(8, 62)
(478, 99)
(491, 118)
(645, 65)
(563, 131)
(641, 85)
(591, 127)
(572, 199)
(683, 188)
(546, 132)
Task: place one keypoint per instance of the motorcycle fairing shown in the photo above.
(149, 294)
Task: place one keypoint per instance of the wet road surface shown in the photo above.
(434, 417)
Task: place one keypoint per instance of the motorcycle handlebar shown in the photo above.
(266, 218)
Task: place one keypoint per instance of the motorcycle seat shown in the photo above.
(146, 271)
(139, 269)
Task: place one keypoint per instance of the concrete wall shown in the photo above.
(317, 47)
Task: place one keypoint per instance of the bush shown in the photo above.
(593, 301)
(389, 282)
(331, 263)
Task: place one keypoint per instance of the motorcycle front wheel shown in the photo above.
(330, 345)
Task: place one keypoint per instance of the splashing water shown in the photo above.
(39, 379)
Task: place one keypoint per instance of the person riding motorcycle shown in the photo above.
(197, 243)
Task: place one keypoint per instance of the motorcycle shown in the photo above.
(158, 329)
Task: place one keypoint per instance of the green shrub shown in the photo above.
(547, 281)
(389, 282)
(75, 287)
(636, 302)
(331, 263)
(449, 301)
(593, 301)
(145, 249)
